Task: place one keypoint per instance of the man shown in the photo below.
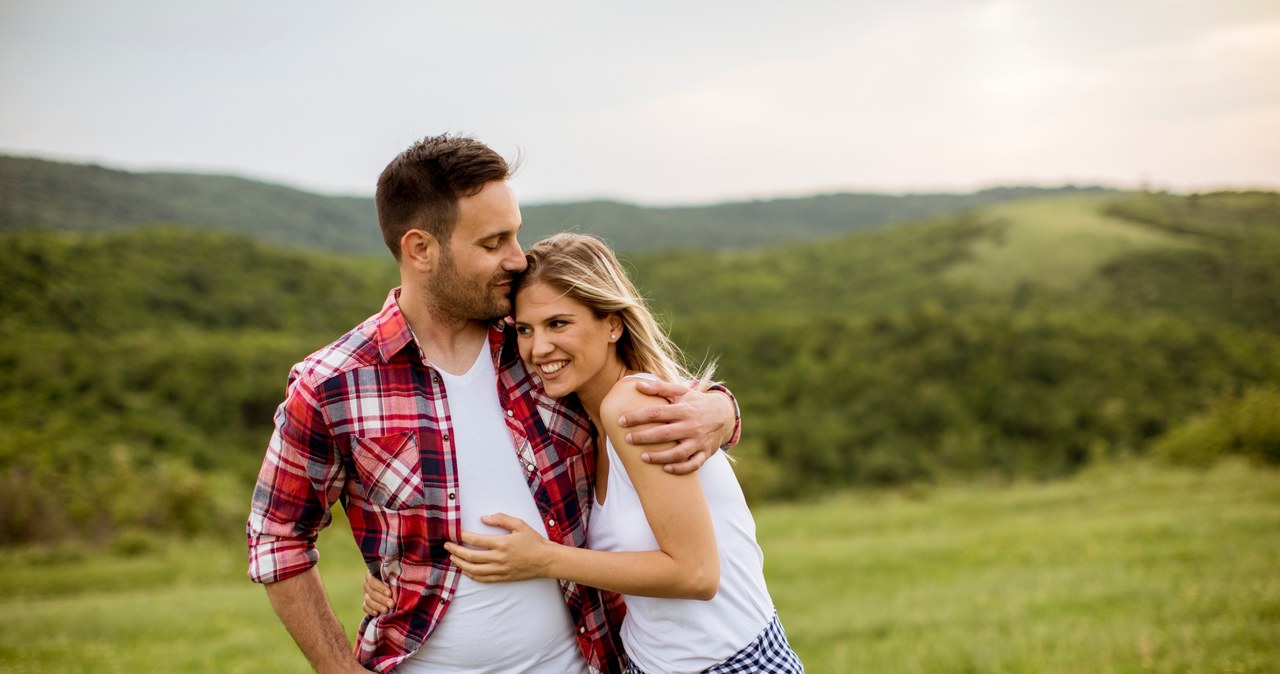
(422, 419)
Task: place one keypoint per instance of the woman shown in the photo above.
(658, 539)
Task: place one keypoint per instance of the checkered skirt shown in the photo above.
(768, 653)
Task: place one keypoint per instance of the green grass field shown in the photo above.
(1060, 242)
(1129, 568)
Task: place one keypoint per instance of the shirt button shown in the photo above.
(452, 496)
(582, 630)
(551, 523)
(510, 413)
(446, 437)
(435, 379)
(530, 467)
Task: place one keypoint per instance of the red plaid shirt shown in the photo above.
(366, 421)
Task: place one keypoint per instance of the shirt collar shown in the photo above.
(393, 334)
(391, 330)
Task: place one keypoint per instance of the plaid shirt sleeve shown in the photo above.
(301, 477)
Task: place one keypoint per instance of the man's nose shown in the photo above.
(515, 261)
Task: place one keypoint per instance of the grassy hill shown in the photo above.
(1022, 339)
(1026, 339)
(58, 196)
(761, 223)
(1056, 243)
(1205, 257)
(46, 195)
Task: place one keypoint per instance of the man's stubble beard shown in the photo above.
(452, 296)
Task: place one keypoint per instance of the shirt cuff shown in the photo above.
(737, 417)
(273, 559)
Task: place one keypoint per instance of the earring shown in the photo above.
(613, 338)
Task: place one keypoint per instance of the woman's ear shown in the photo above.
(420, 250)
(615, 327)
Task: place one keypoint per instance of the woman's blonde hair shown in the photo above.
(585, 269)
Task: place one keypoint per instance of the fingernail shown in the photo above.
(643, 457)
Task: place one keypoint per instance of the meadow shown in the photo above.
(1128, 567)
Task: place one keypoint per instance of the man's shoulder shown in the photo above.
(355, 349)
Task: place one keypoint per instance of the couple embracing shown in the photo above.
(499, 403)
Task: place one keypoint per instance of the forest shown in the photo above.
(1021, 339)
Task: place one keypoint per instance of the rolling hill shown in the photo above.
(140, 369)
(1020, 339)
(47, 195)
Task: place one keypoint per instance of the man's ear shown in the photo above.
(420, 250)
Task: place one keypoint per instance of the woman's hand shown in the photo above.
(520, 555)
(377, 597)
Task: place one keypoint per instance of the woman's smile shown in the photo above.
(552, 367)
(567, 344)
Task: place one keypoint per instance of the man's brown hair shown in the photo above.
(421, 187)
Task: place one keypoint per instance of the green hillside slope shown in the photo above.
(1022, 340)
(39, 194)
(46, 195)
(169, 278)
(757, 223)
(1057, 243)
(1070, 252)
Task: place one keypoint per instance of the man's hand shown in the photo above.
(699, 423)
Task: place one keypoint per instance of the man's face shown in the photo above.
(473, 280)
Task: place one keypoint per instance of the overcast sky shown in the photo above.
(658, 102)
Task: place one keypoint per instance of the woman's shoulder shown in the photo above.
(625, 397)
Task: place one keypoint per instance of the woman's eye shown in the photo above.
(522, 331)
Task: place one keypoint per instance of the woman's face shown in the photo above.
(565, 343)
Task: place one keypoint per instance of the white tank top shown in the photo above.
(495, 627)
(687, 635)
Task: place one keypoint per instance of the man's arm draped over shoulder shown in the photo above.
(700, 423)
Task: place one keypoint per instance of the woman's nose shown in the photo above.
(541, 345)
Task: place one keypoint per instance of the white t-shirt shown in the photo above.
(688, 635)
(495, 627)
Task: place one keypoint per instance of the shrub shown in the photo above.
(1247, 425)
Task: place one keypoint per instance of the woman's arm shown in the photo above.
(687, 565)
